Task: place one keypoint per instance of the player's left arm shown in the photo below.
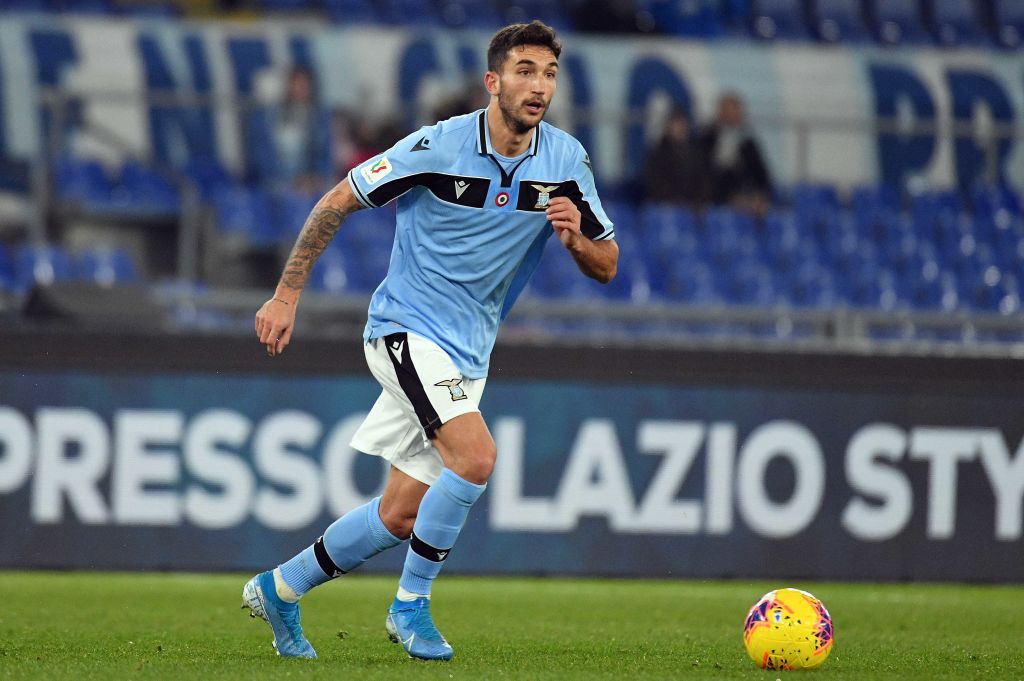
(597, 259)
(581, 224)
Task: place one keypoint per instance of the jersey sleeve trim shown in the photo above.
(357, 190)
(590, 224)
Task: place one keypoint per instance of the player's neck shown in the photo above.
(504, 140)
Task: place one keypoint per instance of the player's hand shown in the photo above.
(565, 218)
(274, 324)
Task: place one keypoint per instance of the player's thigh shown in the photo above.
(424, 379)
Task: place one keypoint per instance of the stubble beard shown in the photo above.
(514, 122)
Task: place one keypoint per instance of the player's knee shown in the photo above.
(478, 465)
(397, 521)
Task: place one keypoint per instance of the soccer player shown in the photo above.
(478, 196)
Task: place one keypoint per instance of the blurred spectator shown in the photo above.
(739, 176)
(471, 97)
(356, 138)
(290, 141)
(675, 169)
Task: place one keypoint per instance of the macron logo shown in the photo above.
(460, 188)
(396, 350)
(441, 555)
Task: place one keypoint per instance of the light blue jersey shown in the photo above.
(469, 232)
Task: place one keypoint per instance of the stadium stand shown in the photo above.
(873, 247)
(840, 21)
(956, 22)
(779, 19)
(1008, 18)
(898, 22)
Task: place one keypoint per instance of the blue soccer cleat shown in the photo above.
(260, 596)
(410, 624)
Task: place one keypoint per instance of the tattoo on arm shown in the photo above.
(321, 226)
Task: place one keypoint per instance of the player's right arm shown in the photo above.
(276, 319)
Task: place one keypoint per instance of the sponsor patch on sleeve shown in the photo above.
(373, 172)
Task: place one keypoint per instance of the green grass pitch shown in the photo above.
(184, 626)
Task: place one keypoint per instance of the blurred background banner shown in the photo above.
(171, 90)
(755, 475)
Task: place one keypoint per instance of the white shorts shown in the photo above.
(422, 390)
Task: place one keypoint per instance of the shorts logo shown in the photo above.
(396, 350)
(544, 194)
(373, 173)
(501, 199)
(454, 387)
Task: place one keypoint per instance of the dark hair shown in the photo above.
(533, 33)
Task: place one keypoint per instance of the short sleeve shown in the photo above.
(392, 173)
(595, 223)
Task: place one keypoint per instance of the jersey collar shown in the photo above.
(483, 137)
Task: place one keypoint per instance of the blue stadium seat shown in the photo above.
(99, 7)
(28, 5)
(15, 175)
(246, 213)
(873, 197)
(331, 273)
(631, 283)
(551, 12)
(105, 266)
(368, 267)
(470, 14)
(730, 235)
(840, 21)
(814, 286)
(145, 190)
(352, 11)
(667, 232)
(957, 22)
(928, 205)
(778, 19)
(7, 278)
(370, 230)
(814, 199)
(40, 264)
(292, 210)
(82, 181)
(898, 22)
(689, 282)
(1009, 16)
(409, 12)
(993, 203)
(208, 176)
(625, 216)
(695, 18)
(557, 277)
(753, 284)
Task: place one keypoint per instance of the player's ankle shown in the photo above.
(284, 591)
(407, 596)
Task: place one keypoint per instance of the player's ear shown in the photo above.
(491, 82)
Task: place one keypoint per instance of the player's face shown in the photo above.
(526, 85)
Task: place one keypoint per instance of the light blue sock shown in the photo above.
(442, 514)
(349, 542)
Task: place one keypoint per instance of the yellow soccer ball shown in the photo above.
(788, 629)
